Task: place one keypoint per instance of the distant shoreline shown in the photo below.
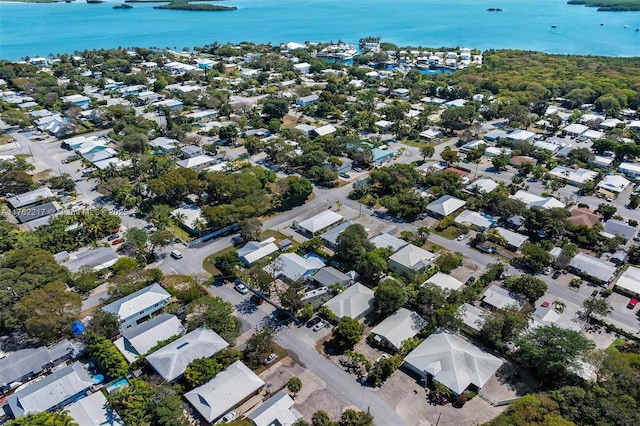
(610, 5)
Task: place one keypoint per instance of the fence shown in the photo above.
(225, 230)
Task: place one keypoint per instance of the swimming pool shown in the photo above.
(308, 255)
(120, 383)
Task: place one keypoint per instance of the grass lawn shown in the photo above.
(5, 139)
(41, 175)
(450, 233)
(279, 236)
(207, 263)
(280, 351)
(179, 232)
(617, 342)
(419, 144)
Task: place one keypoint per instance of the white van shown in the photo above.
(176, 254)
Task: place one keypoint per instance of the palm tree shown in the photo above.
(199, 225)
(559, 306)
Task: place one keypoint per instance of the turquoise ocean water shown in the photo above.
(41, 29)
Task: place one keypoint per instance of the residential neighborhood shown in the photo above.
(285, 235)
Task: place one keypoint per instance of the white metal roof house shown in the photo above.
(575, 129)
(293, 267)
(255, 251)
(330, 237)
(197, 163)
(355, 302)
(577, 177)
(411, 260)
(473, 219)
(139, 340)
(276, 411)
(453, 361)
(137, 307)
(482, 185)
(531, 200)
(397, 328)
(225, 391)
(170, 361)
(614, 183)
(444, 206)
(29, 198)
(630, 169)
(317, 223)
(385, 240)
(513, 239)
(330, 275)
(444, 281)
(99, 258)
(55, 390)
(94, 411)
(499, 298)
(520, 135)
(323, 131)
(629, 282)
(472, 316)
(593, 267)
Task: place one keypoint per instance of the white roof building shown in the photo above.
(575, 129)
(445, 205)
(141, 303)
(276, 411)
(593, 267)
(319, 222)
(226, 390)
(575, 177)
(453, 361)
(474, 219)
(614, 183)
(535, 200)
(472, 317)
(50, 392)
(630, 169)
(293, 267)
(548, 146)
(170, 361)
(98, 259)
(411, 259)
(500, 298)
(254, 251)
(629, 281)
(385, 240)
(140, 339)
(520, 135)
(355, 302)
(482, 185)
(324, 130)
(31, 197)
(94, 411)
(513, 239)
(399, 327)
(197, 162)
(444, 281)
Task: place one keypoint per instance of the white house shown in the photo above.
(629, 282)
(255, 251)
(482, 185)
(137, 341)
(319, 222)
(444, 281)
(614, 183)
(595, 268)
(453, 361)
(499, 298)
(444, 206)
(411, 260)
(355, 302)
(473, 219)
(531, 200)
(385, 240)
(136, 308)
(294, 267)
(277, 410)
(397, 328)
(630, 169)
(98, 259)
(577, 177)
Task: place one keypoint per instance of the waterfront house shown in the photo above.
(137, 307)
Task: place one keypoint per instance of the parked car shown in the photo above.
(556, 274)
(227, 418)
(257, 299)
(345, 175)
(632, 303)
(319, 326)
(471, 280)
(548, 270)
(545, 304)
(113, 237)
(176, 254)
(268, 360)
(313, 322)
(462, 237)
(240, 287)
(116, 242)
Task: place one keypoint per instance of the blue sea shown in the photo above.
(40, 29)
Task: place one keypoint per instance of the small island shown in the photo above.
(123, 6)
(610, 5)
(185, 5)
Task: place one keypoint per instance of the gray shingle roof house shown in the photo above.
(385, 240)
(330, 237)
(513, 239)
(139, 340)
(614, 226)
(397, 328)
(224, 392)
(355, 302)
(55, 390)
(93, 411)
(136, 307)
(411, 260)
(170, 361)
(276, 411)
(330, 275)
(453, 361)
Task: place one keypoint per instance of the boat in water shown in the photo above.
(95, 1)
(494, 9)
(554, 26)
(123, 6)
